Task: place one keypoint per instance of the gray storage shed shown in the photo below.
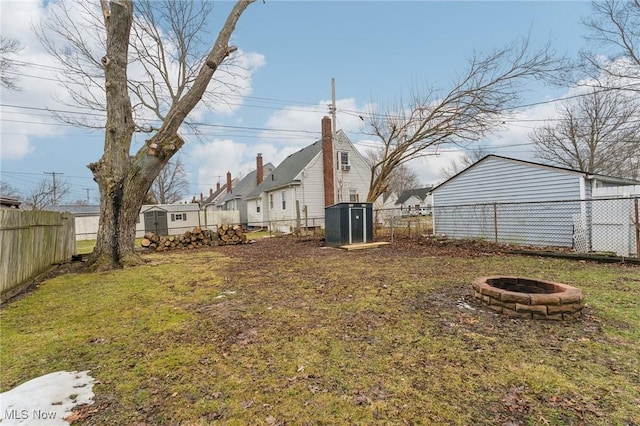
(349, 223)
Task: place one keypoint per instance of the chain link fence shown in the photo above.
(606, 225)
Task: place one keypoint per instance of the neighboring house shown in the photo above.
(385, 208)
(209, 213)
(415, 201)
(236, 198)
(86, 219)
(519, 202)
(324, 173)
(168, 219)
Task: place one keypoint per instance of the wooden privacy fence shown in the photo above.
(30, 242)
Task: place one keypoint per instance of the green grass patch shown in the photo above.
(284, 331)
(87, 246)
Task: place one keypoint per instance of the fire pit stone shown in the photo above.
(529, 298)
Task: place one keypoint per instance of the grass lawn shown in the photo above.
(86, 246)
(284, 331)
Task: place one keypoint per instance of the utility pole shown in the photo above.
(87, 189)
(332, 107)
(53, 175)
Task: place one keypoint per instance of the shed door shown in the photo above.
(156, 221)
(357, 225)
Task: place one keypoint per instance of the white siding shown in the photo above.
(496, 180)
(501, 180)
(255, 218)
(311, 192)
(356, 178)
(87, 227)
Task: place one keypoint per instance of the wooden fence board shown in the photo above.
(30, 242)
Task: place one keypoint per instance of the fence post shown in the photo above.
(495, 221)
(637, 226)
(392, 221)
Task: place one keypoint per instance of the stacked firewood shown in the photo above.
(231, 234)
(196, 238)
(193, 239)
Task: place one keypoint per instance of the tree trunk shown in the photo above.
(124, 180)
(111, 170)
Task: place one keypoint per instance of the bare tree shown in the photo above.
(400, 179)
(167, 49)
(403, 178)
(614, 26)
(9, 191)
(9, 47)
(45, 194)
(124, 177)
(171, 184)
(475, 105)
(595, 133)
(468, 158)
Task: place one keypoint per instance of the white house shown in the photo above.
(384, 208)
(235, 198)
(520, 202)
(415, 201)
(210, 213)
(326, 172)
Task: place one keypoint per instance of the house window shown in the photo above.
(353, 196)
(178, 216)
(258, 201)
(284, 201)
(343, 161)
(271, 201)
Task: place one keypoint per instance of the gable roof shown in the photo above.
(247, 184)
(219, 192)
(286, 171)
(416, 192)
(604, 178)
(211, 198)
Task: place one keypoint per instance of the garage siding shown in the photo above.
(498, 192)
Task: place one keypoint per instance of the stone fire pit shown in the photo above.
(529, 298)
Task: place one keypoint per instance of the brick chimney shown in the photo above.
(218, 186)
(228, 182)
(201, 199)
(211, 191)
(259, 169)
(327, 162)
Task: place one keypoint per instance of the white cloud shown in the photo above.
(214, 159)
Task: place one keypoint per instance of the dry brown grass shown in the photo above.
(286, 331)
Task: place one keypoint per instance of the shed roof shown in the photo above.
(186, 207)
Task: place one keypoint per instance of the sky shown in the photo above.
(289, 51)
